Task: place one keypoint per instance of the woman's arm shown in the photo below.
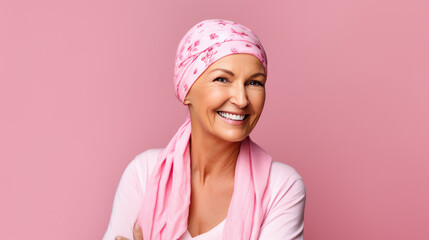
(285, 216)
(126, 204)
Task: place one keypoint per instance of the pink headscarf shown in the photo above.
(165, 209)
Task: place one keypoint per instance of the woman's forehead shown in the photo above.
(238, 62)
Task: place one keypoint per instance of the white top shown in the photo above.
(284, 218)
(214, 233)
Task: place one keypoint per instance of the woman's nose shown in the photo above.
(239, 96)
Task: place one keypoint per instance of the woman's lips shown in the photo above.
(233, 119)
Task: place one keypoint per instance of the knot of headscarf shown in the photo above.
(165, 207)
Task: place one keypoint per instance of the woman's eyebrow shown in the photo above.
(232, 74)
(224, 70)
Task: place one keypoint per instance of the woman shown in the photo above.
(215, 183)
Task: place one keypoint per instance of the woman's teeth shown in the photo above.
(232, 116)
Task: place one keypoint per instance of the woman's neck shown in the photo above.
(212, 157)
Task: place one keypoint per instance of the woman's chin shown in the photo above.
(232, 136)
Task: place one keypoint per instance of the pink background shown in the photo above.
(87, 85)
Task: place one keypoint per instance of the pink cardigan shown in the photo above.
(284, 218)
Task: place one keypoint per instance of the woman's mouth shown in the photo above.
(234, 119)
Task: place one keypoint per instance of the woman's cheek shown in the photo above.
(218, 95)
(257, 98)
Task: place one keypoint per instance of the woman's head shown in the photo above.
(212, 94)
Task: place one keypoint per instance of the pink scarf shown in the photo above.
(165, 209)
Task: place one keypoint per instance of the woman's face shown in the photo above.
(226, 101)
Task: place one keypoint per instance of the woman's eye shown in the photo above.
(256, 83)
(221, 79)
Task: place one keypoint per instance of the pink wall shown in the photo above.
(87, 85)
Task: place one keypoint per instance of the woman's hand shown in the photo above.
(137, 233)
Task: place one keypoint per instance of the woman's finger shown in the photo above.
(137, 233)
(121, 238)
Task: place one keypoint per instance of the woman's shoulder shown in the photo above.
(148, 155)
(283, 172)
(146, 160)
(140, 168)
(284, 178)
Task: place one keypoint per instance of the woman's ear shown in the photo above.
(187, 101)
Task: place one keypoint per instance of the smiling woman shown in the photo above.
(212, 181)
